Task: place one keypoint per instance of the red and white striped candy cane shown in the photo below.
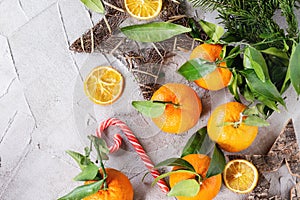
(135, 143)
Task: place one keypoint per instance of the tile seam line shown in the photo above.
(68, 40)
(38, 14)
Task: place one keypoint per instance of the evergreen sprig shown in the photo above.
(248, 20)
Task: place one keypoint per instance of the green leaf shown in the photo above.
(176, 162)
(94, 5)
(83, 191)
(88, 173)
(196, 68)
(100, 146)
(199, 143)
(295, 68)
(153, 32)
(251, 111)
(149, 108)
(266, 89)
(81, 160)
(215, 32)
(172, 172)
(233, 85)
(217, 163)
(253, 59)
(271, 104)
(286, 82)
(276, 52)
(187, 188)
(253, 120)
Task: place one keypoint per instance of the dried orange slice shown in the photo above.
(104, 85)
(143, 9)
(240, 176)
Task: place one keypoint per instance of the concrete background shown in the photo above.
(43, 110)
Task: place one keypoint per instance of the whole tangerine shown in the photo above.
(184, 110)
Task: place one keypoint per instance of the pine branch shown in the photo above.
(287, 7)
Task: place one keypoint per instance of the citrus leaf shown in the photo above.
(253, 59)
(276, 52)
(199, 143)
(153, 32)
(271, 104)
(196, 68)
(253, 120)
(100, 146)
(251, 111)
(295, 68)
(217, 163)
(187, 188)
(88, 173)
(172, 172)
(94, 5)
(81, 160)
(215, 32)
(266, 89)
(83, 191)
(176, 162)
(149, 108)
(233, 85)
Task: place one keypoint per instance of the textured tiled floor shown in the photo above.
(43, 112)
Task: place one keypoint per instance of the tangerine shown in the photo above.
(235, 136)
(119, 187)
(209, 188)
(184, 111)
(221, 76)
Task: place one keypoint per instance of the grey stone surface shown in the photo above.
(43, 110)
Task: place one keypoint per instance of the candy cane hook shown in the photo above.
(135, 143)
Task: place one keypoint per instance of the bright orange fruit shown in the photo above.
(209, 188)
(177, 119)
(221, 76)
(229, 137)
(119, 187)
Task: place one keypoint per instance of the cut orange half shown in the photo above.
(240, 176)
(104, 85)
(143, 9)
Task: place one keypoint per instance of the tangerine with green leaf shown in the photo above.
(226, 126)
(182, 111)
(209, 187)
(221, 76)
(118, 187)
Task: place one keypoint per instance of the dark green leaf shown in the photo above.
(186, 188)
(153, 32)
(176, 162)
(276, 52)
(253, 120)
(287, 81)
(217, 163)
(233, 85)
(265, 89)
(271, 104)
(196, 68)
(88, 173)
(215, 32)
(248, 95)
(83, 191)
(81, 160)
(295, 68)
(172, 172)
(149, 108)
(94, 5)
(253, 59)
(195, 142)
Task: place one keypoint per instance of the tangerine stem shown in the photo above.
(176, 105)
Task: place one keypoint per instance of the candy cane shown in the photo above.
(135, 143)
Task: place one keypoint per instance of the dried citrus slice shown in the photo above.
(103, 85)
(143, 9)
(240, 176)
